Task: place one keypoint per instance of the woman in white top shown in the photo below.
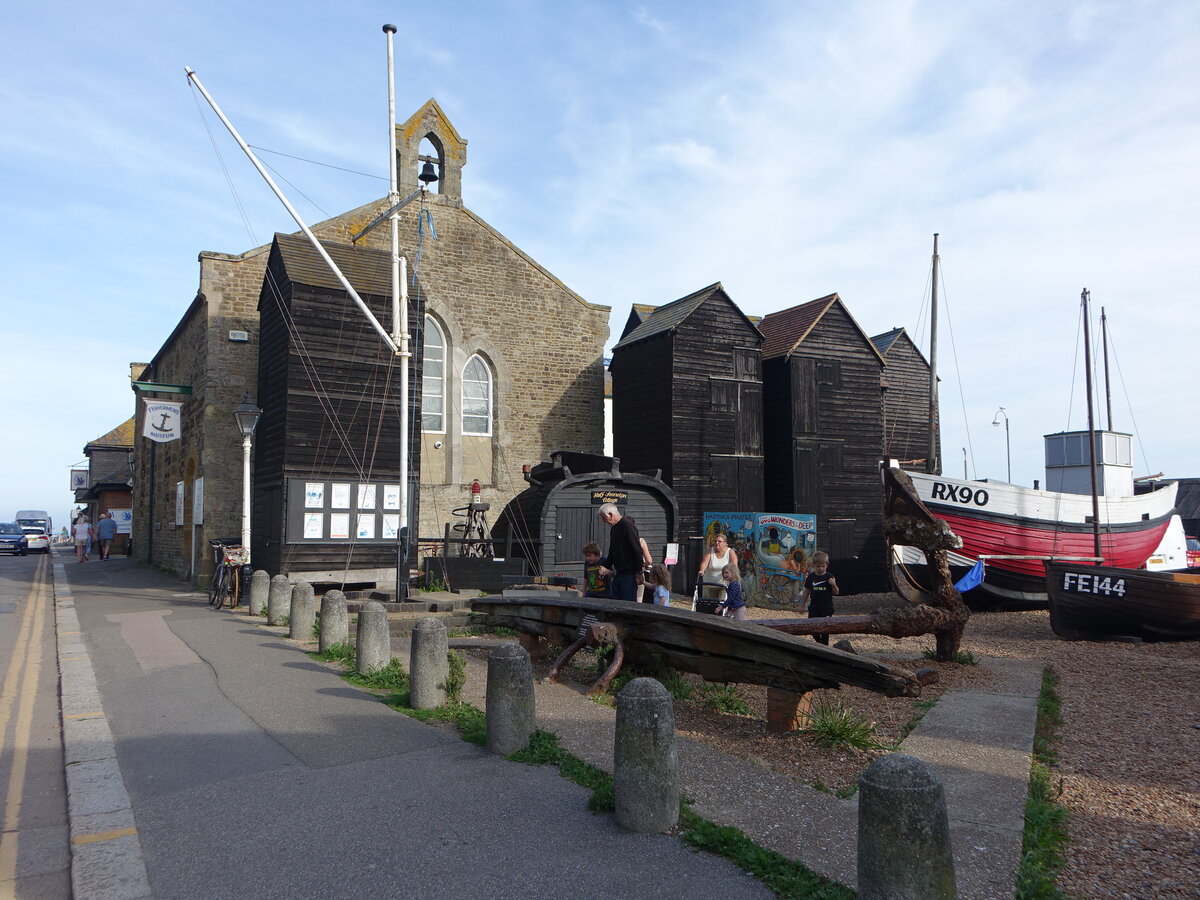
(82, 532)
(715, 560)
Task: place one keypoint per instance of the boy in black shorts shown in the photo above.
(820, 587)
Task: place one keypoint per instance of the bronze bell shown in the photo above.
(428, 175)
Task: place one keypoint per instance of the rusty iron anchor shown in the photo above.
(598, 634)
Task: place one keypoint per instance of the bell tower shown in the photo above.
(444, 151)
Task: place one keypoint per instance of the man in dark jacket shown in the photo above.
(624, 553)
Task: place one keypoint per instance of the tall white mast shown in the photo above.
(400, 333)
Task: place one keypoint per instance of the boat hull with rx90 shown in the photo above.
(997, 519)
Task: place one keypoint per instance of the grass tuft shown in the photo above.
(1045, 837)
(962, 657)
(543, 750)
(786, 878)
(835, 725)
(469, 720)
(391, 677)
(724, 698)
(457, 679)
(342, 653)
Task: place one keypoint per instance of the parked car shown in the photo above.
(12, 539)
(1193, 551)
(37, 538)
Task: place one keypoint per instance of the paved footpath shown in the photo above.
(206, 756)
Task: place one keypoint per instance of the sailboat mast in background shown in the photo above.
(933, 465)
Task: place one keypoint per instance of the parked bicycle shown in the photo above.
(226, 581)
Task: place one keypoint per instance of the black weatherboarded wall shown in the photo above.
(687, 399)
(906, 421)
(823, 421)
(329, 390)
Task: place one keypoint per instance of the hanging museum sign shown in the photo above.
(81, 479)
(162, 420)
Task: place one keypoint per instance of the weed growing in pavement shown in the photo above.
(391, 677)
(962, 657)
(434, 584)
(920, 707)
(284, 621)
(543, 750)
(457, 679)
(724, 698)
(784, 877)
(1045, 836)
(262, 612)
(316, 629)
(469, 720)
(342, 653)
(835, 725)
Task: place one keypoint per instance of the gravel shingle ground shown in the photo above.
(1129, 749)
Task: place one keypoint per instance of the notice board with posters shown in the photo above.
(337, 511)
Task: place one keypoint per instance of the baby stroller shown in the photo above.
(702, 604)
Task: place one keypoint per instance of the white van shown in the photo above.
(35, 517)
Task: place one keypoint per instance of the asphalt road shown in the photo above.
(252, 771)
(34, 849)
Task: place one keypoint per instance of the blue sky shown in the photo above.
(639, 151)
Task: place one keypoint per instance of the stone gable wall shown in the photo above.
(543, 343)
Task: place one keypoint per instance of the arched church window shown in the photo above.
(433, 379)
(476, 397)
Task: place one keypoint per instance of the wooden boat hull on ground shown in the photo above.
(1000, 519)
(716, 648)
(1096, 602)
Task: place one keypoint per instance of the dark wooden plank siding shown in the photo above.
(906, 402)
(329, 389)
(834, 444)
(715, 343)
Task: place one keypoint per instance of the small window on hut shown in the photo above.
(476, 397)
(433, 379)
(829, 376)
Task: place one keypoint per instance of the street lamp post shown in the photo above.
(246, 417)
(1007, 445)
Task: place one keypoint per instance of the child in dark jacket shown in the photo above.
(733, 606)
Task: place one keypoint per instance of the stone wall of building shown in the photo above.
(542, 343)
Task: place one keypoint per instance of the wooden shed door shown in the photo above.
(574, 530)
(841, 539)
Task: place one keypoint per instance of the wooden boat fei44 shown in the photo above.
(1093, 602)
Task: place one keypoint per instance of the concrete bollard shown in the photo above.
(373, 644)
(303, 613)
(509, 705)
(645, 762)
(260, 584)
(279, 600)
(429, 668)
(903, 833)
(335, 622)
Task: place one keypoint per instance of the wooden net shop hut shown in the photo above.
(823, 422)
(906, 423)
(548, 523)
(327, 448)
(688, 399)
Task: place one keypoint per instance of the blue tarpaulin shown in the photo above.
(972, 579)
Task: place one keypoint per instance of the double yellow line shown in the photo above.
(18, 695)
